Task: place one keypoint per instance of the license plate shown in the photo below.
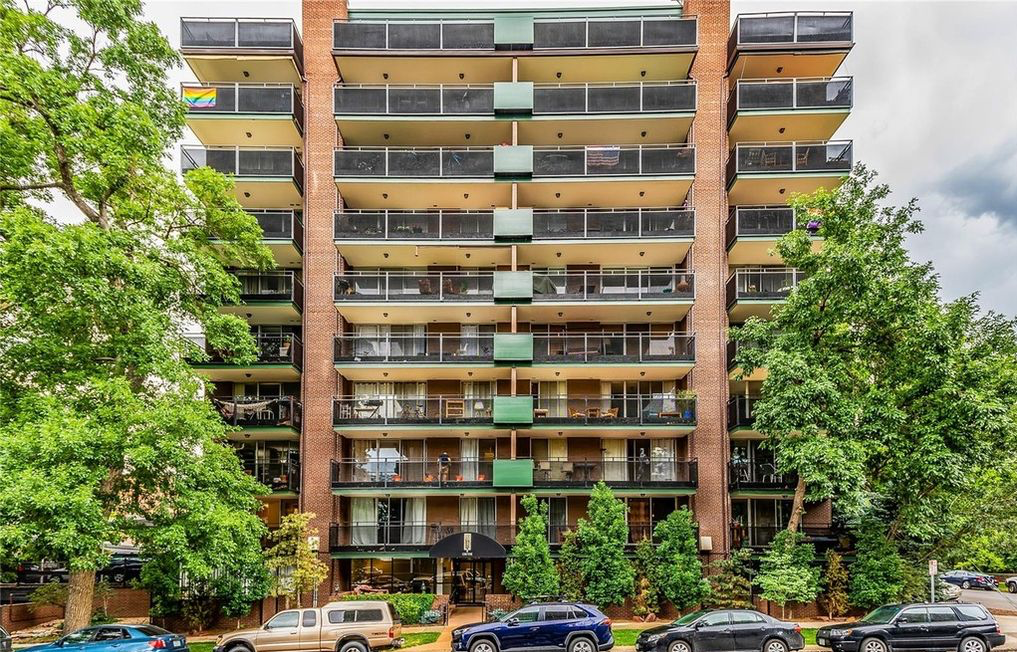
(176, 643)
(821, 641)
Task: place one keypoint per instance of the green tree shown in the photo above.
(646, 565)
(603, 535)
(787, 571)
(293, 565)
(835, 585)
(731, 581)
(877, 393)
(530, 573)
(103, 433)
(570, 567)
(877, 574)
(678, 573)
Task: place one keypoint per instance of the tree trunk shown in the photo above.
(797, 506)
(80, 590)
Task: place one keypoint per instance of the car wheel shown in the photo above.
(972, 644)
(873, 645)
(775, 645)
(679, 646)
(965, 584)
(353, 646)
(1012, 587)
(239, 647)
(483, 645)
(581, 644)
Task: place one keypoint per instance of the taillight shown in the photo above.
(391, 632)
(798, 628)
(607, 621)
(157, 644)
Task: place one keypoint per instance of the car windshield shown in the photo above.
(689, 618)
(881, 616)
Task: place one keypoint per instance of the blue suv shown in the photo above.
(545, 626)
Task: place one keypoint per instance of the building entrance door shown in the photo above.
(471, 580)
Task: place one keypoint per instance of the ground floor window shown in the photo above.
(465, 581)
(756, 521)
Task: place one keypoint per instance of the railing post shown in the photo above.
(386, 224)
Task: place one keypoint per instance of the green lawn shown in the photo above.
(413, 639)
(628, 636)
(201, 647)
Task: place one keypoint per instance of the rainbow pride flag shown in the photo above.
(199, 98)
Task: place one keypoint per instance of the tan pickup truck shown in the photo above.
(361, 626)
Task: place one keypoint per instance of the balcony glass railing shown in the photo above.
(613, 347)
(414, 162)
(414, 286)
(789, 29)
(278, 476)
(415, 533)
(403, 472)
(637, 532)
(740, 412)
(414, 99)
(761, 536)
(259, 411)
(614, 32)
(766, 94)
(620, 409)
(280, 225)
(753, 284)
(433, 410)
(226, 33)
(433, 224)
(270, 286)
(280, 162)
(758, 474)
(284, 348)
(614, 160)
(621, 471)
(242, 98)
(424, 34)
(594, 223)
(613, 285)
(414, 349)
(826, 156)
(765, 222)
(617, 97)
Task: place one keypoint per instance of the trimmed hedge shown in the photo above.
(409, 606)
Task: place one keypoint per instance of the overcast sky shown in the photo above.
(935, 114)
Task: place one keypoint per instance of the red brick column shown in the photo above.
(709, 442)
(317, 444)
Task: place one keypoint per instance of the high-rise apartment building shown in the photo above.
(510, 244)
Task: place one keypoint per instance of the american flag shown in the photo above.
(603, 156)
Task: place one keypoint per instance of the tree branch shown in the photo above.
(32, 186)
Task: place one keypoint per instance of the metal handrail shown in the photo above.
(237, 150)
(794, 82)
(793, 146)
(683, 282)
(294, 35)
(794, 36)
(614, 19)
(592, 346)
(434, 347)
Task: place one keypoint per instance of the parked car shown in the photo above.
(116, 638)
(552, 625)
(959, 626)
(5, 640)
(122, 569)
(1011, 584)
(946, 592)
(723, 630)
(41, 572)
(970, 580)
(353, 626)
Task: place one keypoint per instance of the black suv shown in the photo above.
(961, 627)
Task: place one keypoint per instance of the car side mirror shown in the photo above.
(901, 621)
(513, 621)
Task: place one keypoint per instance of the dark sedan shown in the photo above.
(961, 627)
(726, 630)
(970, 580)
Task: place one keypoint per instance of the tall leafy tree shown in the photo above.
(731, 581)
(678, 573)
(788, 572)
(877, 392)
(877, 574)
(570, 567)
(835, 585)
(603, 534)
(294, 567)
(105, 259)
(530, 573)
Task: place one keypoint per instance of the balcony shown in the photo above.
(262, 115)
(280, 477)
(618, 473)
(261, 413)
(274, 297)
(740, 418)
(769, 173)
(610, 295)
(761, 536)
(637, 532)
(400, 473)
(734, 371)
(667, 411)
(280, 358)
(417, 296)
(772, 45)
(376, 537)
(444, 355)
(262, 177)
(754, 292)
(788, 109)
(754, 475)
(415, 411)
(435, 225)
(249, 49)
(618, 356)
(752, 233)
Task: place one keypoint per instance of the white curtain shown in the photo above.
(486, 517)
(615, 465)
(370, 395)
(371, 340)
(410, 400)
(414, 520)
(469, 344)
(551, 396)
(363, 521)
(662, 460)
(478, 398)
(469, 453)
(468, 518)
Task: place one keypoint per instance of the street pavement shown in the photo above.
(992, 600)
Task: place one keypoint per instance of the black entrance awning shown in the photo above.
(467, 545)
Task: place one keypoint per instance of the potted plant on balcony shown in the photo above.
(686, 399)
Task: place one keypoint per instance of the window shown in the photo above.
(369, 616)
(79, 637)
(558, 613)
(970, 612)
(151, 630)
(337, 617)
(527, 615)
(745, 618)
(111, 634)
(914, 616)
(941, 615)
(310, 618)
(714, 619)
(285, 619)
